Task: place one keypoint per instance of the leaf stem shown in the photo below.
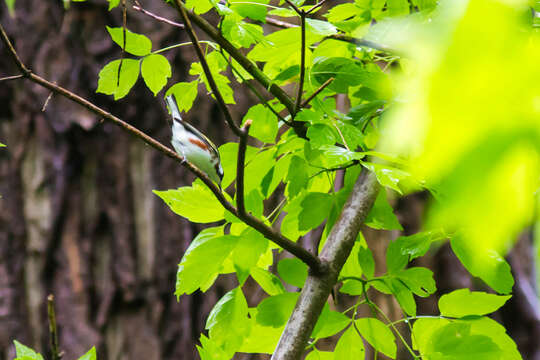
(53, 333)
(302, 63)
(139, 8)
(240, 164)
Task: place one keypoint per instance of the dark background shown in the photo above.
(78, 218)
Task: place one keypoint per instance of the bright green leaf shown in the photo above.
(455, 341)
(185, 94)
(377, 335)
(329, 323)
(203, 261)
(136, 44)
(267, 281)
(252, 10)
(275, 310)
(321, 134)
(419, 280)
(293, 271)
(350, 346)
(196, 202)
(155, 70)
(315, 208)
(463, 302)
(381, 215)
(228, 320)
(90, 355)
(25, 353)
(403, 294)
(366, 261)
(264, 123)
(108, 78)
(320, 27)
(249, 248)
(199, 6)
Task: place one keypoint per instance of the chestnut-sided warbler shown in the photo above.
(192, 145)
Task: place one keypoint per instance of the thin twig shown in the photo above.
(8, 78)
(317, 92)
(279, 23)
(53, 333)
(207, 71)
(302, 63)
(271, 234)
(240, 203)
(315, 7)
(139, 8)
(47, 101)
(291, 4)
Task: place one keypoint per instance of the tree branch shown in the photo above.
(291, 4)
(240, 203)
(317, 92)
(247, 64)
(271, 234)
(207, 71)
(139, 8)
(335, 252)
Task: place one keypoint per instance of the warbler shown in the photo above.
(193, 145)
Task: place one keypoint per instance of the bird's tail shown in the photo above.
(173, 107)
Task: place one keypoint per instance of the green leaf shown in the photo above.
(387, 176)
(2, 145)
(321, 134)
(185, 94)
(249, 249)
(210, 350)
(155, 70)
(366, 261)
(261, 339)
(267, 281)
(297, 176)
(486, 264)
(497, 333)
(293, 271)
(396, 260)
(199, 6)
(381, 215)
(455, 341)
(350, 346)
(108, 78)
(463, 302)
(398, 7)
(275, 310)
(377, 335)
(241, 33)
(25, 353)
(329, 323)
(90, 355)
(228, 320)
(11, 7)
(315, 209)
(403, 295)
(418, 244)
(419, 280)
(257, 168)
(320, 27)
(196, 203)
(252, 11)
(265, 123)
(320, 355)
(136, 44)
(113, 4)
(203, 261)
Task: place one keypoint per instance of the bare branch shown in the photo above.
(336, 250)
(8, 78)
(207, 71)
(315, 7)
(291, 4)
(139, 8)
(317, 92)
(280, 23)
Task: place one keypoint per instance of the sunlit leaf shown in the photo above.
(155, 70)
(109, 76)
(136, 44)
(377, 335)
(463, 302)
